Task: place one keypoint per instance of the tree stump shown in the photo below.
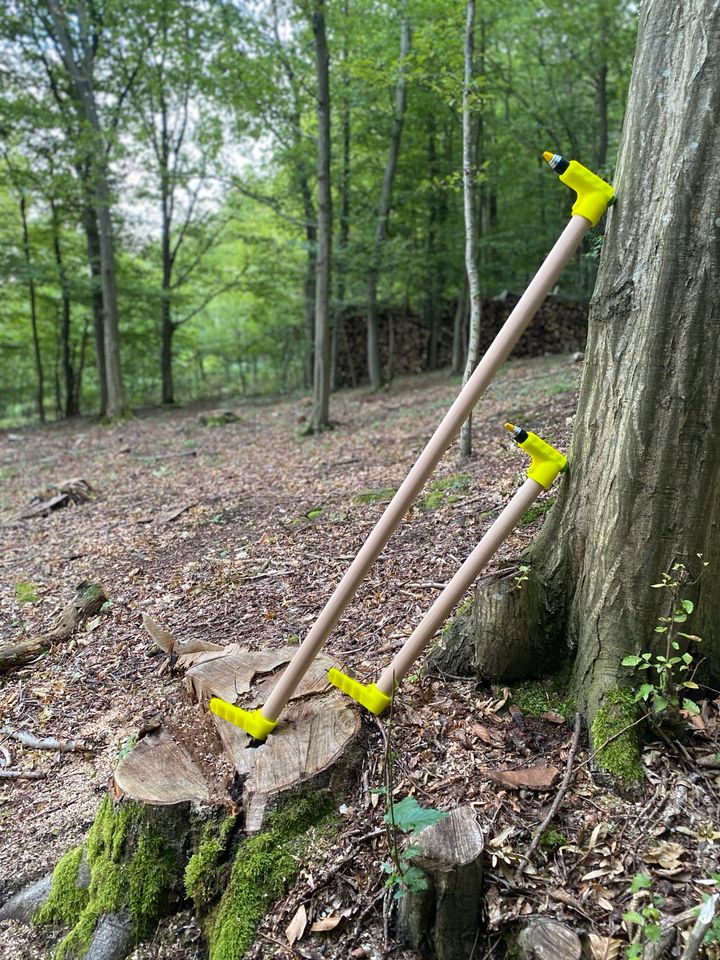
(501, 636)
(444, 921)
(183, 800)
(543, 939)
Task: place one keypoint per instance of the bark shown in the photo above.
(644, 483)
(471, 254)
(321, 365)
(92, 240)
(383, 211)
(70, 407)
(80, 72)
(344, 234)
(433, 279)
(40, 391)
(458, 343)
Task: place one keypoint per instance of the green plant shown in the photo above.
(26, 592)
(522, 576)
(670, 669)
(643, 914)
(406, 818)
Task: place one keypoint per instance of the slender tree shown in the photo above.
(471, 248)
(383, 209)
(321, 367)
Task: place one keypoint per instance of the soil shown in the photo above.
(237, 531)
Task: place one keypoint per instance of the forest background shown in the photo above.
(159, 183)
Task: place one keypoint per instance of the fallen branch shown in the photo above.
(556, 802)
(89, 598)
(702, 925)
(45, 743)
(6, 774)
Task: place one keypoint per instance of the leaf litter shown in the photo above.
(241, 542)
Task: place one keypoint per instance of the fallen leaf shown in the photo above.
(552, 717)
(666, 854)
(296, 927)
(326, 923)
(483, 733)
(538, 777)
(604, 948)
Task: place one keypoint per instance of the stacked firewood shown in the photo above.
(560, 326)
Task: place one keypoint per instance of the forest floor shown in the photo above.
(238, 532)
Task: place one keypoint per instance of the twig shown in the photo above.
(556, 802)
(702, 925)
(6, 774)
(45, 743)
(368, 909)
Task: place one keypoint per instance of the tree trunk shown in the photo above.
(81, 79)
(40, 392)
(473, 354)
(458, 344)
(92, 239)
(321, 366)
(383, 212)
(431, 292)
(643, 488)
(344, 237)
(70, 407)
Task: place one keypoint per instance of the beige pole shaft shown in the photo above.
(459, 585)
(498, 351)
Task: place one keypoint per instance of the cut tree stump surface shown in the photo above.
(170, 764)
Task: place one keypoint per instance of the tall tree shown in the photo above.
(383, 209)
(321, 367)
(77, 39)
(643, 490)
(471, 247)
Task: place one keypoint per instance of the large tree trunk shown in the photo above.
(383, 212)
(643, 488)
(321, 366)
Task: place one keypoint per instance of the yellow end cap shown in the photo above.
(547, 156)
(366, 694)
(545, 461)
(252, 721)
(593, 194)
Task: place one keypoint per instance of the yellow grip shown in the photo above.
(593, 194)
(545, 461)
(253, 721)
(366, 694)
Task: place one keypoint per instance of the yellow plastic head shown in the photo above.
(545, 461)
(593, 193)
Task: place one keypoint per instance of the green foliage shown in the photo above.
(645, 915)
(614, 737)
(411, 819)
(66, 901)
(552, 840)
(263, 867)
(667, 672)
(444, 492)
(26, 592)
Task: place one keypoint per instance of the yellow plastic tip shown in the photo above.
(252, 721)
(548, 156)
(366, 694)
(510, 427)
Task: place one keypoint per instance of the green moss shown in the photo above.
(264, 865)
(137, 885)
(541, 696)
(621, 758)
(460, 612)
(538, 510)
(446, 491)
(66, 901)
(26, 592)
(375, 496)
(552, 840)
(201, 872)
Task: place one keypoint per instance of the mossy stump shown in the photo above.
(197, 813)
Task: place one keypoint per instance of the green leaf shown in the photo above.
(632, 916)
(410, 817)
(644, 690)
(646, 656)
(680, 617)
(688, 605)
(687, 658)
(631, 661)
(660, 629)
(690, 706)
(690, 636)
(659, 703)
(641, 881)
(691, 684)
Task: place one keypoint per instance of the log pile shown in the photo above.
(560, 326)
